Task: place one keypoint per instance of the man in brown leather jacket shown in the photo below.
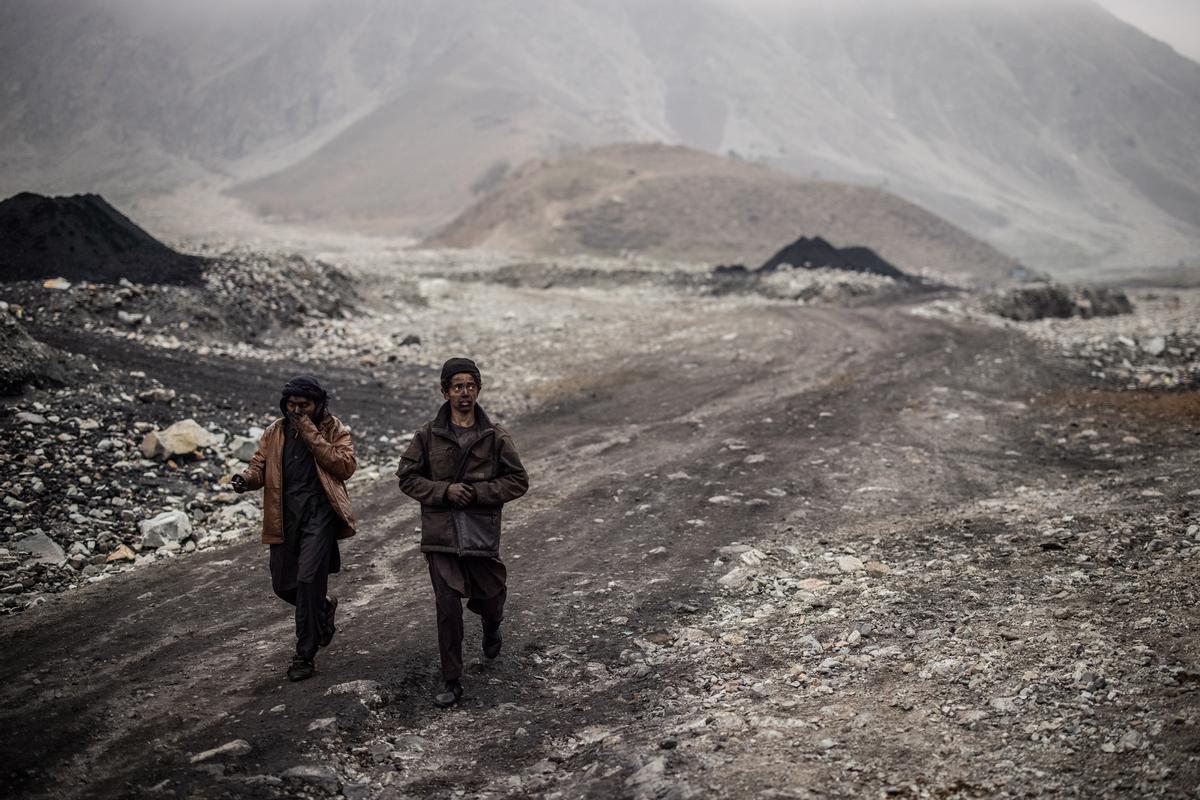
(303, 462)
(462, 468)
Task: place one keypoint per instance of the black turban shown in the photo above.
(304, 386)
(457, 365)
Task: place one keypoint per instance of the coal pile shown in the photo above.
(1052, 300)
(816, 253)
(83, 238)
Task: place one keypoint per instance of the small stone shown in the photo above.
(120, 553)
(368, 692)
(30, 418)
(753, 557)
(234, 749)
(878, 569)
(849, 564)
(166, 528)
(242, 448)
(1132, 740)
(1004, 705)
(312, 773)
(157, 395)
(323, 725)
(1156, 346)
(652, 772)
(182, 438)
(42, 548)
(811, 643)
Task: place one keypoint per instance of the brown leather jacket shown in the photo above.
(491, 466)
(333, 453)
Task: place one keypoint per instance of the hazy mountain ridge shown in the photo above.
(1058, 133)
(673, 202)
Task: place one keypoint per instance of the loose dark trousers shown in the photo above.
(300, 576)
(450, 620)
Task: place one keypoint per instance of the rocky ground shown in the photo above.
(870, 544)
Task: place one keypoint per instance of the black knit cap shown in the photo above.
(304, 386)
(457, 365)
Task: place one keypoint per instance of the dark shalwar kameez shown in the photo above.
(300, 567)
(481, 580)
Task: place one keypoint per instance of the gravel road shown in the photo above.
(770, 550)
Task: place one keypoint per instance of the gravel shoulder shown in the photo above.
(771, 550)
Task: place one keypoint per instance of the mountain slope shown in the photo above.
(672, 202)
(1052, 130)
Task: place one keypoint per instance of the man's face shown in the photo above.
(301, 407)
(463, 392)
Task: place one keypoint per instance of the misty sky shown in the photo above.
(1176, 22)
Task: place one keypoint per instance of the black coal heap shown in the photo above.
(815, 253)
(83, 238)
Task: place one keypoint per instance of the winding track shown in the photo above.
(109, 690)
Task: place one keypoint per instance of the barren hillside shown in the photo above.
(672, 202)
(1051, 130)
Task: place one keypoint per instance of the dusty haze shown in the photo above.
(1055, 132)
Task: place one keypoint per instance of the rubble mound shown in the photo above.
(241, 296)
(1039, 301)
(24, 360)
(815, 253)
(673, 203)
(83, 238)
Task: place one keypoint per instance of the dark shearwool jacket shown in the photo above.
(333, 452)
(491, 466)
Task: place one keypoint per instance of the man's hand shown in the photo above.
(304, 427)
(460, 494)
(302, 423)
(239, 484)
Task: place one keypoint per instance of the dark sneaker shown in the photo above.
(328, 629)
(448, 696)
(301, 669)
(492, 641)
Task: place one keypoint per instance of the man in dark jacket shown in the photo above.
(303, 461)
(462, 468)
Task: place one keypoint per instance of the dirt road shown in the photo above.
(769, 551)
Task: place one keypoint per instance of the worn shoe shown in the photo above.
(328, 629)
(449, 696)
(492, 641)
(301, 669)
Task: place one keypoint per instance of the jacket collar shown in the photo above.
(327, 423)
(441, 423)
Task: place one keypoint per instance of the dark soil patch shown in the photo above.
(1162, 407)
